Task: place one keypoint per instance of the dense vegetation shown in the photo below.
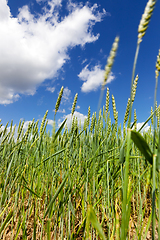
(99, 180)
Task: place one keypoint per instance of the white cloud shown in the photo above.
(50, 89)
(34, 47)
(93, 78)
(145, 129)
(52, 2)
(66, 94)
(50, 122)
(81, 117)
(60, 111)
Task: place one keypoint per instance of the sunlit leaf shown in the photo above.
(93, 219)
(142, 145)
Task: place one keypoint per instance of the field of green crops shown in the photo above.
(99, 180)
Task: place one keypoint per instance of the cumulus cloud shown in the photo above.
(80, 117)
(34, 47)
(93, 78)
(50, 122)
(146, 127)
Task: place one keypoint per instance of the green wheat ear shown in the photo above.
(134, 87)
(127, 111)
(43, 122)
(5, 129)
(115, 113)
(74, 104)
(158, 65)
(27, 133)
(108, 68)
(135, 119)
(144, 22)
(152, 116)
(110, 61)
(89, 115)
(85, 124)
(20, 128)
(59, 99)
(107, 100)
(92, 123)
(73, 124)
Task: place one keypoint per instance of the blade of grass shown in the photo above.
(7, 219)
(59, 130)
(91, 217)
(142, 145)
(53, 155)
(31, 191)
(55, 195)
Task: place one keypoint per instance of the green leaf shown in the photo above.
(59, 130)
(55, 195)
(122, 155)
(142, 145)
(8, 218)
(93, 219)
(7, 176)
(158, 154)
(53, 155)
(147, 120)
(31, 191)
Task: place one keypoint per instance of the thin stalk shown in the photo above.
(100, 99)
(140, 198)
(154, 163)
(153, 198)
(125, 205)
(133, 75)
(159, 205)
(108, 200)
(124, 226)
(154, 119)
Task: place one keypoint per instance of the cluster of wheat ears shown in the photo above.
(94, 181)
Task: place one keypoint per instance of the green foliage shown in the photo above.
(83, 184)
(142, 145)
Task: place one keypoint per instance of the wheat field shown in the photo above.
(99, 180)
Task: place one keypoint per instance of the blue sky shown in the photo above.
(46, 44)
